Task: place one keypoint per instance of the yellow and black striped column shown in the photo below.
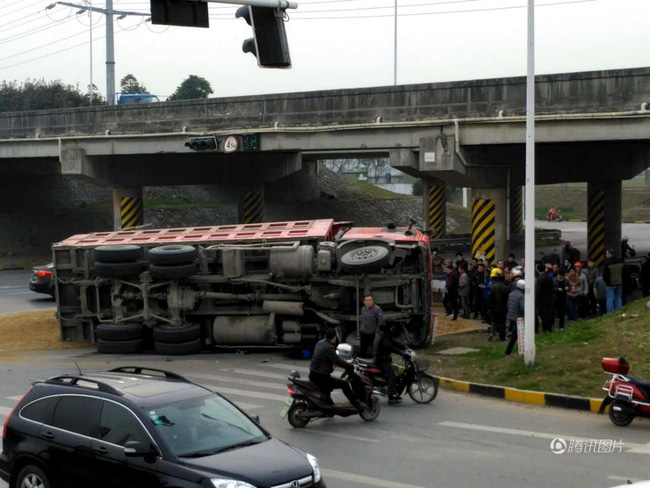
(516, 210)
(596, 225)
(127, 208)
(436, 209)
(253, 207)
(131, 212)
(484, 229)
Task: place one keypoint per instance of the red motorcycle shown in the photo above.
(627, 396)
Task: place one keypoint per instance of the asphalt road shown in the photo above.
(457, 441)
(15, 295)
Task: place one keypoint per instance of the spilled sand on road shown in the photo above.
(32, 331)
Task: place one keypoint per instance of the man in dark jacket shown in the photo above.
(498, 299)
(515, 311)
(384, 345)
(322, 367)
(613, 276)
(371, 318)
(544, 298)
(451, 293)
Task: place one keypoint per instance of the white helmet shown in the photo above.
(516, 272)
(521, 284)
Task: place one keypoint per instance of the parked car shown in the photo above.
(43, 280)
(135, 427)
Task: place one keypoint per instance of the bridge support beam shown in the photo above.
(604, 219)
(435, 207)
(516, 210)
(128, 208)
(251, 205)
(489, 240)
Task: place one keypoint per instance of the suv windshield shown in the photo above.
(204, 426)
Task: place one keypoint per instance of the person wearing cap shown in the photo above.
(516, 302)
(582, 302)
(613, 277)
(498, 298)
(515, 276)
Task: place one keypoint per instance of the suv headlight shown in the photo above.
(314, 464)
(221, 483)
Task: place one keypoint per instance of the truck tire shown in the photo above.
(122, 332)
(119, 270)
(120, 347)
(174, 272)
(172, 254)
(177, 335)
(365, 259)
(180, 349)
(119, 253)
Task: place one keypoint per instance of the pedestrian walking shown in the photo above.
(613, 277)
(371, 319)
(515, 311)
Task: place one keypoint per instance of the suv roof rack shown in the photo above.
(74, 381)
(142, 370)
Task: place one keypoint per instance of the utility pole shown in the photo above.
(395, 49)
(529, 305)
(90, 19)
(110, 43)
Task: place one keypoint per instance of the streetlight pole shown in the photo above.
(90, 19)
(110, 54)
(395, 48)
(529, 316)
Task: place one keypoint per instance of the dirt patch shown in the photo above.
(32, 331)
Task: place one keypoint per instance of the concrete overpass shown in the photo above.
(592, 126)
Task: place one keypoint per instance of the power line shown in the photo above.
(35, 30)
(45, 45)
(21, 9)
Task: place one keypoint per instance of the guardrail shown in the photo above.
(464, 241)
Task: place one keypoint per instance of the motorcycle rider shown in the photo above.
(322, 366)
(384, 345)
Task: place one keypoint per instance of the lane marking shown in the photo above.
(343, 436)
(364, 480)
(630, 447)
(261, 374)
(273, 386)
(245, 393)
(15, 398)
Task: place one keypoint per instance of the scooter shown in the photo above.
(307, 402)
(627, 397)
(412, 377)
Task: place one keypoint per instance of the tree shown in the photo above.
(192, 88)
(337, 166)
(42, 95)
(130, 84)
(374, 167)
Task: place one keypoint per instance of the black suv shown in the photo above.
(142, 427)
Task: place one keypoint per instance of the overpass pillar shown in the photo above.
(251, 205)
(516, 210)
(489, 240)
(128, 208)
(604, 218)
(435, 207)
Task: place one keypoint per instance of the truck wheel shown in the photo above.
(180, 349)
(118, 270)
(174, 272)
(122, 332)
(172, 254)
(120, 347)
(365, 259)
(177, 335)
(119, 253)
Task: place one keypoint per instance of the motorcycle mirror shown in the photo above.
(295, 374)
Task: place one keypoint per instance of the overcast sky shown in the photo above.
(334, 43)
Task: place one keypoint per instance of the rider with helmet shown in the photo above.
(384, 345)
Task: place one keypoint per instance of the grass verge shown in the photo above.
(566, 362)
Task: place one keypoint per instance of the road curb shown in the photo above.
(523, 396)
(623, 221)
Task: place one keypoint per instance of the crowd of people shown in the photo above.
(566, 289)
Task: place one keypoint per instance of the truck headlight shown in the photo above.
(222, 483)
(314, 464)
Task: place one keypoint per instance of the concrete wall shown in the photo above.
(596, 91)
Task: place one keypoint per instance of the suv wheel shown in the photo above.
(32, 477)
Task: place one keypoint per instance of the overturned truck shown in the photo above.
(281, 284)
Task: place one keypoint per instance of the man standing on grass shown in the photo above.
(613, 277)
(451, 293)
(515, 311)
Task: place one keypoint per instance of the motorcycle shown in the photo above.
(628, 397)
(307, 402)
(412, 377)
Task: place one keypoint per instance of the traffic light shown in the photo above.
(202, 143)
(179, 12)
(269, 44)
